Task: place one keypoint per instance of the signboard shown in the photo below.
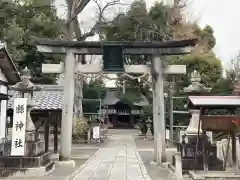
(113, 59)
(19, 127)
(96, 132)
(167, 134)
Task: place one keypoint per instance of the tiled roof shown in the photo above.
(142, 101)
(51, 97)
(110, 98)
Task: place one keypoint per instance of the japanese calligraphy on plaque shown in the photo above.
(113, 59)
(19, 127)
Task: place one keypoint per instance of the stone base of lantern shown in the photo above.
(188, 151)
(18, 166)
(36, 162)
(32, 148)
(191, 138)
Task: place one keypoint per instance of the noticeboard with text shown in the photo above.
(19, 127)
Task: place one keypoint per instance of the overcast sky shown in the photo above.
(222, 15)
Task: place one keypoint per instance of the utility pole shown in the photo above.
(68, 100)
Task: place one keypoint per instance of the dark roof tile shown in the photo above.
(50, 98)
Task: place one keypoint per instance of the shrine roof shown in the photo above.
(50, 98)
(129, 44)
(111, 99)
(7, 66)
(225, 101)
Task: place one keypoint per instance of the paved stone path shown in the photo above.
(119, 161)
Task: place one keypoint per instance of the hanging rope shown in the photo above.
(102, 75)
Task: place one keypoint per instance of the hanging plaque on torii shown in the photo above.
(113, 58)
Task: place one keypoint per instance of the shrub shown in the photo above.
(82, 128)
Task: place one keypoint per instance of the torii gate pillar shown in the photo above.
(67, 110)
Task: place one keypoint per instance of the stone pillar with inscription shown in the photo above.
(31, 155)
(26, 88)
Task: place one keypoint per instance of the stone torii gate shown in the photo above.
(113, 62)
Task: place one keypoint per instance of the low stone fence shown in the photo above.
(223, 148)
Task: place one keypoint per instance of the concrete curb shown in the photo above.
(71, 176)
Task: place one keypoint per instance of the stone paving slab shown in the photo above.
(119, 161)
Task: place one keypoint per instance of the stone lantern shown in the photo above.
(194, 89)
(26, 89)
(149, 133)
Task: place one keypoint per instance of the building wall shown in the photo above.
(3, 106)
(2, 76)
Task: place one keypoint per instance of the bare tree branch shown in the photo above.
(76, 7)
(182, 4)
(101, 9)
(79, 5)
(86, 35)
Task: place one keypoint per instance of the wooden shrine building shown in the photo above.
(119, 114)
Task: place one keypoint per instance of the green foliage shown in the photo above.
(208, 66)
(131, 95)
(81, 129)
(20, 21)
(208, 35)
(95, 91)
(223, 87)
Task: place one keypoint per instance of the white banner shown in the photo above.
(167, 134)
(19, 127)
(96, 132)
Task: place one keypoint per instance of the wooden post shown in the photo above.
(234, 154)
(205, 152)
(196, 149)
(46, 135)
(56, 135)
